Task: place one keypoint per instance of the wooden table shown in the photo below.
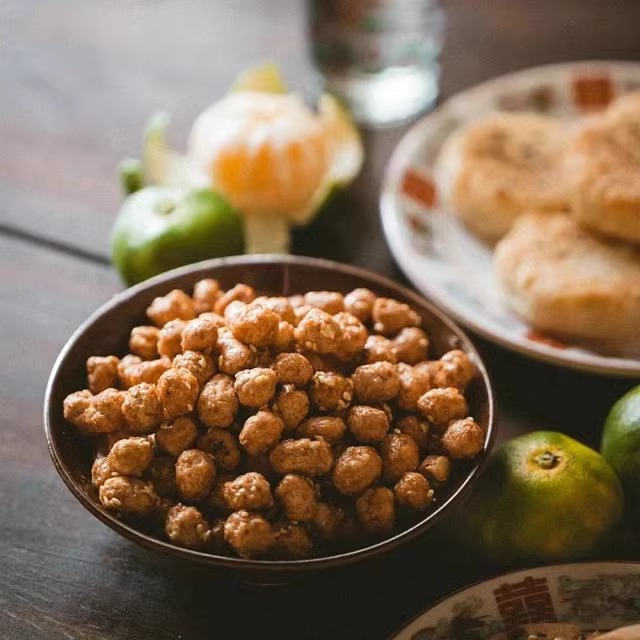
(78, 78)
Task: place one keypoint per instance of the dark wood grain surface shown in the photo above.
(78, 79)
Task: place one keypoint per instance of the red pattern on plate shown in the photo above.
(523, 602)
(419, 187)
(418, 224)
(539, 337)
(539, 99)
(592, 93)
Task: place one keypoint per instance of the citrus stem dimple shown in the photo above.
(547, 460)
(165, 207)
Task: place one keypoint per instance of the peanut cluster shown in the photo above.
(275, 427)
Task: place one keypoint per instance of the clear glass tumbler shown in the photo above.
(380, 56)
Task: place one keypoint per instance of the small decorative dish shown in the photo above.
(597, 597)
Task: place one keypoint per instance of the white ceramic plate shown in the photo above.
(444, 260)
(598, 596)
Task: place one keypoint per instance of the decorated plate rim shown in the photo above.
(602, 565)
(391, 212)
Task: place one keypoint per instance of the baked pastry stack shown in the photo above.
(563, 202)
(604, 162)
(493, 170)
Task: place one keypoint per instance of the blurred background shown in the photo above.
(79, 78)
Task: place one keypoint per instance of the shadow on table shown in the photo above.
(532, 396)
(368, 600)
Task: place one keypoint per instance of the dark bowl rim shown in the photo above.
(262, 566)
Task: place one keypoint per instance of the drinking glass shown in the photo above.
(380, 56)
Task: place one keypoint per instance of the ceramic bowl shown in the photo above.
(107, 331)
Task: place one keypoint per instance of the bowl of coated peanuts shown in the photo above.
(269, 415)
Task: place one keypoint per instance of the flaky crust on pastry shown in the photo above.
(491, 171)
(567, 282)
(604, 167)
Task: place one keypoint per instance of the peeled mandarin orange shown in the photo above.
(267, 153)
(265, 77)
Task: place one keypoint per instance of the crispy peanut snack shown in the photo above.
(249, 534)
(376, 510)
(249, 491)
(291, 405)
(274, 427)
(297, 495)
(356, 469)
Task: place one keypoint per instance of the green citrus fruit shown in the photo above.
(621, 443)
(160, 228)
(131, 175)
(544, 496)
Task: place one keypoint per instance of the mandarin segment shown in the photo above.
(265, 152)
